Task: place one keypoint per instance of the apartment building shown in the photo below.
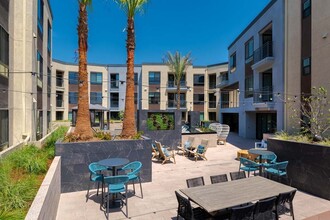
(198, 89)
(270, 63)
(25, 66)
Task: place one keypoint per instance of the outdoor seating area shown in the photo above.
(160, 200)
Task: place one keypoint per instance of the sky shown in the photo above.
(205, 28)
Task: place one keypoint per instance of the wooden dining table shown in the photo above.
(224, 195)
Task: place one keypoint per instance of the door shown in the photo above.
(266, 123)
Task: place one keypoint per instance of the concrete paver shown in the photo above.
(159, 200)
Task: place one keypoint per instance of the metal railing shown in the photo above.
(264, 51)
(172, 84)
(212, 104)
(59, 103)
(59, 82)
(264, 94)
(173, 104)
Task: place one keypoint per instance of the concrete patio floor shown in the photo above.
(159, 200)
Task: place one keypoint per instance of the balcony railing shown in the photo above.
(59, 82)
(59, 103)
(173, 104)
(212, 104)
(264, 51)
(172, 84)
(264, 94)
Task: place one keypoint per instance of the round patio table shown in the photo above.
(261, 153)
(113, 163)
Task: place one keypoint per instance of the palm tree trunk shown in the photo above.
(83, 125)
(178, 91)
(129, 129)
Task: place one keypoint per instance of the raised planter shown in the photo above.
(76, 157)
(309, 165)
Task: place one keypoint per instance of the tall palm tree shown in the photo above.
(130, 7)
(83, 125)
(178, 65)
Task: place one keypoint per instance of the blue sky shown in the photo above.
(205, 30)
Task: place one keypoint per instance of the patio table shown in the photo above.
(261, 153)
(224, 195)
(113, 163)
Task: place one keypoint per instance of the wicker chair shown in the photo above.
(265, 209)
(186, 146)
(219, 178)
(193, 182)
(284, 203)
(164, 154)
(200, 151)
(186, 211)
(242, 212)
(237, 175)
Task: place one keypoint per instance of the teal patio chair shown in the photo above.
(278, 169)
(248, 165)
(95, 176)
(268, 161)
(117, 185)
(133, 170)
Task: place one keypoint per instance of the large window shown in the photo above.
(40, 15)
(306, 8)
(73, 78)
(4, 52)
(198, 99)
(249, 51)
(114, 100)
(73, 97)
(154, 97)
(96, 98)
(232, 62)
(49, 37)
(96, 78)
(306, 66)
(212, 81)
(114, 80)
(154, 78)
(198, 80)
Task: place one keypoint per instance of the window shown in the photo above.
(198, 99)
(49, 81)
(136, 79)
(135, 98)
(212, 81)
(232, 62)
(73, 78)
(114, 80)
(40, 15)
(154, 78)
(49, 37)
(306, 8)
(4, 128)
(73, 97)
(96, 78)
(306, 66)
(114, 100)
(154, 97)
(40, 65)
(4, 52)
(198, 80)
(249, 51)
(70, 116)
(96, 98)
(249, 86)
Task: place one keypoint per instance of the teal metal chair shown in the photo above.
(95, 176)
(269, 160)
(278, 169)
(248, 165)
(117, 185)
(133, 170)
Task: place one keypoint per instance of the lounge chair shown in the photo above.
(164, 153)
(155, 153)
(186, 146)
(200, 151)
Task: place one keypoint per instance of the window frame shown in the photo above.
(306, 69)
(249, 50)
(197, 82)
(73, 97)
(97, 75)
(73, 80)
(155, 99)
(96, 98)
(232, 62)
(306, 11)
(154, 80)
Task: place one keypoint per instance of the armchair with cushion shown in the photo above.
(164, 153)
(186, 146)
(200, 151)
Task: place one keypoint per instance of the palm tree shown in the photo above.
(177, 65)
(130, 7)
(83, 125)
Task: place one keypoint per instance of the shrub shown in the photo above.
(102, 135)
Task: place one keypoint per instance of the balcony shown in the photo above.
(172, 86)
(114, 105)
(114, 85)
(59, 103)
(171, 104)
(263, 57)
(263, 98)
(223, 80)
(212, 104)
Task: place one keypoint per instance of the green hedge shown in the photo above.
(21, 174)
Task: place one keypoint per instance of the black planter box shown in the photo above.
(309, 165)
(76, 157)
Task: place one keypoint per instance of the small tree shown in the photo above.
(177, 65)
(314, 113)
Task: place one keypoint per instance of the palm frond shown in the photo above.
(131, 6)
(177, 64)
